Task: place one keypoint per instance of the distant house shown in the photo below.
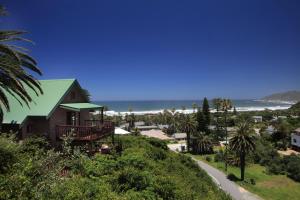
(120, 131)
(279, 117)
(179, 136)
(142, 128)
(163, 126)
(156, 134)
(270, 130)
(257, 119)
(62, 109)
(139, 123)
(295, 139)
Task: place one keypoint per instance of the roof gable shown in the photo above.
(42, 105)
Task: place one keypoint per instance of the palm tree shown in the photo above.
(188, 125)
(14, 66)
(243, 143)
(202, 144)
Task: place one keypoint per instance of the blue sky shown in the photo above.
(159, 49)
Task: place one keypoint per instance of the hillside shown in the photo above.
(145, 169)
(293, 96)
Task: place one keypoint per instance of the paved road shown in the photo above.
(235, 191)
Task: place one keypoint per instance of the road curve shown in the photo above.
(234, 190)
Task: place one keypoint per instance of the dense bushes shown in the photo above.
(145, 169)
(267, 155)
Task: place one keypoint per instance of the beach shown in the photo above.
(158, 106)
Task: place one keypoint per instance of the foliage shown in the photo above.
(15, 65)
(202, 144)
(243, 143)
(146, 169)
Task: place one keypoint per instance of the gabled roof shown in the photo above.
(80, 106)
(42, 105)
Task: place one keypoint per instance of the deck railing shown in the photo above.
(87, 132)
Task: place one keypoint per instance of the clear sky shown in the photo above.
(165, 49)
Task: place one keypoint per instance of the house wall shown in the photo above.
(295, 140)
(59, 116)
(35, 126)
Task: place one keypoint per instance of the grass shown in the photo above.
(273, 187)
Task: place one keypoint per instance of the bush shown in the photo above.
(143, 171)
(232, 177)
(208, 159)
(130, 178)
(293, 169)
(158, 143)
(275, 167)
(219, 157)
(157, 154)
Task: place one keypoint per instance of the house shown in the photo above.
(61, 110)
(120, 131)
(163, 126)
(139, 123)
(156, 134)
(142, 128)
(257, 119)
(270, 130)
(179, 136)
(295, 139)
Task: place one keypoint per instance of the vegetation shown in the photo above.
(268, 186)
(144, 169)
(15, 64)
(242, 143)
(284, 96)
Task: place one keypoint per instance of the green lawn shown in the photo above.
(273, 187)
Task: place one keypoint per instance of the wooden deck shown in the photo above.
(93, 130)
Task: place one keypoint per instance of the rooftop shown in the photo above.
(42, 105)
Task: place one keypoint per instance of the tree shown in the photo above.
(206, 112)
(15, 65)
(225, 105)
(87, 94)
(202, 144)
(243, 143)
(188, 125)
(234, 111)
(202, 126)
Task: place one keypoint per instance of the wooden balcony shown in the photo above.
(92, 130)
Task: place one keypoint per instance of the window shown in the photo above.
(29, 128)
(73, 95)
(294, 140)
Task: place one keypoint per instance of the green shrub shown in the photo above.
(208, 159)
(293, 170)
(164, 187)
(232, 177)
(219, 156)
(144, 170)
(156, 153)
(130, 178)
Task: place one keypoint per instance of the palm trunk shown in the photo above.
(242, 160)
(188, 141)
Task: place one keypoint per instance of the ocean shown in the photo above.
(156, 106)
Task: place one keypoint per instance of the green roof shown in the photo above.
(42, 105)
(80, 106)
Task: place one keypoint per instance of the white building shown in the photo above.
(179, 136)
(295, 138)
(257, 119)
